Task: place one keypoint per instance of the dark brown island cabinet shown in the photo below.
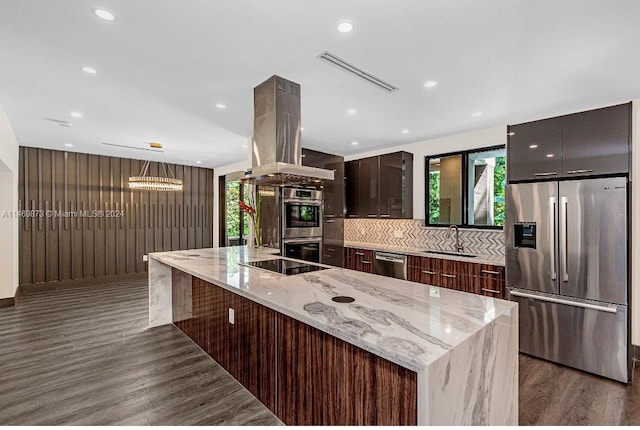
(589, 143)
(483, 279)
(303, 375)
(380, 186)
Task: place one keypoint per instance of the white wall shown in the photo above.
(8, 203)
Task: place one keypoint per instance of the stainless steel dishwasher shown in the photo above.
(392, 265)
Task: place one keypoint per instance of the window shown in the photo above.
(234, 223)
(466, 188)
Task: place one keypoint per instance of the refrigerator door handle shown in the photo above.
(610, 308)
(563, 238)
(552, 236)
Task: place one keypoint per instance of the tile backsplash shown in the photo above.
(411, 233)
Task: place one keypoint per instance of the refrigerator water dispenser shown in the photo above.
(524, 235)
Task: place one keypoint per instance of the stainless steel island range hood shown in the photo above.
(276, 150)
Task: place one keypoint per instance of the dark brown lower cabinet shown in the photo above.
(360, 260)
(323, 380)
(424, 270)
(316, 379)
(484, 279)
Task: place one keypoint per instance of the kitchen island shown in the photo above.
(399, 353)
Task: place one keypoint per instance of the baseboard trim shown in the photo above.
(79, 283)
(8, 302)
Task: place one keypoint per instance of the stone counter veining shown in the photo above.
(462, 346)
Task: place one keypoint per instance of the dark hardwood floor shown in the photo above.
(551, 394)
(84, 356)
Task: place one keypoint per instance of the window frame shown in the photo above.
(465, 189)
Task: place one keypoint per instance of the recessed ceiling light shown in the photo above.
(76, 114)
(430, 84)
(405, 131)
(221, 106)
(104, 14)
(534, 146)
(352, 111)
(476, 114)
(68, 145)
(549, 155)
(344, 26)
(198, 162)
(301, 128)
(354, 143)
(90, 70)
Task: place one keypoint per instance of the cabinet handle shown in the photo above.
(385, 216)
(580, 171)
(545, 174)
(491, 272)
(331, 249)
(428, 272)
(365, 262)
(372, 216)
(446, 275)
(359, 253)
(328, 221)
(491, 291)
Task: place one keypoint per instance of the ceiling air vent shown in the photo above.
(357, 71)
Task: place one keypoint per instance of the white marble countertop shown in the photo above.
(497, 260)
(407, 323)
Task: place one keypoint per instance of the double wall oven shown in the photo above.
(301, 223)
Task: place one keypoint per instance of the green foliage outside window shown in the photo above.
(434, 197)
(499, 184)
(233, 213)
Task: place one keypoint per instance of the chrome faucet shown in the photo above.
(459, 246)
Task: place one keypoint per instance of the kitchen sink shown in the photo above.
(457, 254)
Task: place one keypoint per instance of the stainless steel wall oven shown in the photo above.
(301, 213)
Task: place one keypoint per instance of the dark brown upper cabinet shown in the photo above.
(588, 143)
(333, 191)
(380, 187)
(597, 142)
(534, 150)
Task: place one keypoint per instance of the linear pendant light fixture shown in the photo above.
(155, 183)
(357, 71)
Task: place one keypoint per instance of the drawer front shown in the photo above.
(423, 270)
(333, 255)
(360, 260)
(491, 281)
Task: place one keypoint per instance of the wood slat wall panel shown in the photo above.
(61, 249)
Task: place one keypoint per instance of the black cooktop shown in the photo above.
(285, 267)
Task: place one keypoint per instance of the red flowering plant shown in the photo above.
(252, 209)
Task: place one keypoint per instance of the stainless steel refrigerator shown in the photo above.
(567, 266)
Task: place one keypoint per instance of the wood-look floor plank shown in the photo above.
(552, 394)
(84, 356)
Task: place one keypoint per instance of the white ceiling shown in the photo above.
(164, 64)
